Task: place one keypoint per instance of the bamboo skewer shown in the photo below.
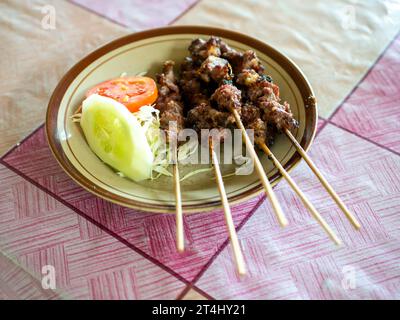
(180, 239)
(240, 264)
(261, 173)
(323, 181)
(301, 195)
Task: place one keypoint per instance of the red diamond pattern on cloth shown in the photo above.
(205, 232)
(300, 262)
(97, 268)
(372, 111)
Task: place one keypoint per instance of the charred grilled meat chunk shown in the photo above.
(169, 101)
(171, 119)
(247, 77)
(249, 113)
(205, 117)
(251, 61)
(259, 128)
(241, 61)
(216, 69)
(201, 50)
(251, 119)
(234, 57)
(227, 97)
(278, 114)
(262, 88)
(194, 91)
(168, 88)
(266, 96)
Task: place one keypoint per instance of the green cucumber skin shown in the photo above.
(130, 154)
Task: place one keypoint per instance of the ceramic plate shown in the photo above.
(146, 51)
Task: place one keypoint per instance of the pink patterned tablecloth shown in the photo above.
(104, 251)
(139, 14)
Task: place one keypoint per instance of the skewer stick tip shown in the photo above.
(302, 196)
(242, 271)
(323, 181)
(238, 255)
(283, 222)
(180, 238)
(180, 247)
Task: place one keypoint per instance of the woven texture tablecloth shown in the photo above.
(350, 50)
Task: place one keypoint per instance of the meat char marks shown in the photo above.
(215, 78)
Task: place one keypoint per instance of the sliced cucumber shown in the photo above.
(116, 137)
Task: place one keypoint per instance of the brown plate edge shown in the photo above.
(58, 93)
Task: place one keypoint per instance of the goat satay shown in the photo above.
(194, 92)
(265, 95)
(169, 101)
(215, 69)
(201, 49)
(227, 97)
(239, 60)
(206, 61)
(172, 122)
(278, 114)
(204, 116)
(261, 91)
(251, 119)
(201, 115)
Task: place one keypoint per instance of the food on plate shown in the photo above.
(116, 136)
(132, 92)
(169, 101)
(216, 77)
(127, 123)
(123, 119)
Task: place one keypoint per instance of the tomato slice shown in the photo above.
(133, 92)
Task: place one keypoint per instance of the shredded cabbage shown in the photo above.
(245, 166)
(187, 150)
(190, 174)
(149, 119)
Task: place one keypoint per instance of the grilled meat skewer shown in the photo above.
(170, 104)
(249, 71)
(169, 101)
